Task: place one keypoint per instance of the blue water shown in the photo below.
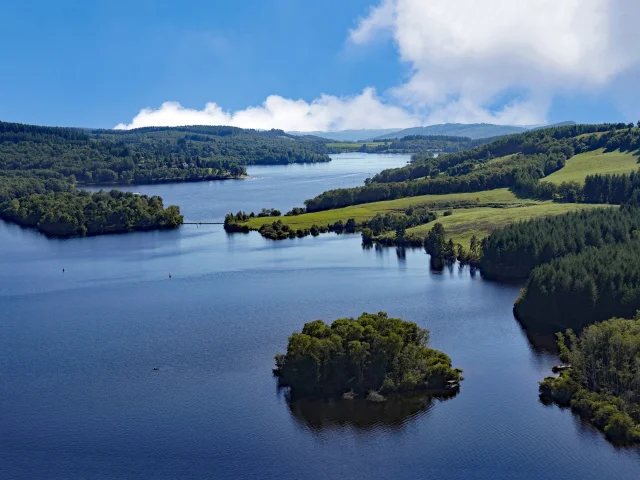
(79, 397)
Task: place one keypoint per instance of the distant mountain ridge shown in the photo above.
(473, 130)
(470, 130)
(349, 135)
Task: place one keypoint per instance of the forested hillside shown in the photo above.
(510, 253)
(579, 289)
(149, 154)
(524, 159)
(40, 168)
(473, 130)
(426, 145)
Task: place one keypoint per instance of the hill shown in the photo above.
(595, 162)
(476, 190)
(473, 130)
(349, 135)
(40, 168)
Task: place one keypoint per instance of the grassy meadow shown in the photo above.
(589, 163)
(366, 211)
(476, 213)
(481, 221)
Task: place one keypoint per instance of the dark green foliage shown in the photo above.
(83, 213)
(275, 231)
(269, 212)
(603, 384)
(410, 217)
(580, 289)
(441, 251)
(510, 253)
(149, 154)
(14, 185)
(435, 243)
(117, 157)
(367, 236)
(279, 231)
(423, 144)
(615, 189)
(295, 211)
(371, 353)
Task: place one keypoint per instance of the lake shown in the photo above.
(79, 396)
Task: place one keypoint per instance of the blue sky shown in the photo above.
(99, 63)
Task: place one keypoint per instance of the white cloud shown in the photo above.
(327, 112)
(464, 54)
(495, 61)
(379, 18)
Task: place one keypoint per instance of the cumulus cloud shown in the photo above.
(495, 61)
(327, 112)
(465, 54)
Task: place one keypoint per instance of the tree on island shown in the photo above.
(371, 353)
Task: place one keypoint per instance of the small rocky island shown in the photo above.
(370, 356)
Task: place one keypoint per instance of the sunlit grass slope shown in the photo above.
(589, 163)
(481, 221)
(360, 213)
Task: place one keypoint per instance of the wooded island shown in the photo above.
(373, 354)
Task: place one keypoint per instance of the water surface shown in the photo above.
(79, 397)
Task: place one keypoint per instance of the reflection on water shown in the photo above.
(392, 414)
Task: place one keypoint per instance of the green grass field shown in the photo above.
(589, 163)
(477, 213)
(360, 213)
(481, 221)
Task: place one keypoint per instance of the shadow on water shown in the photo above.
(393, 414)
(541, 342)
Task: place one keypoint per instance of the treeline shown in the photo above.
(20, 184)
(96, 160)
(40, 167)
(599, 188)
(615, 189)
(512, 252)
(372, 229)
(425, 144)
(373, 353)
(579, 289)
(150, 155)
(603, 382)
(499, 175)
(78, 213)
(398, 222)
